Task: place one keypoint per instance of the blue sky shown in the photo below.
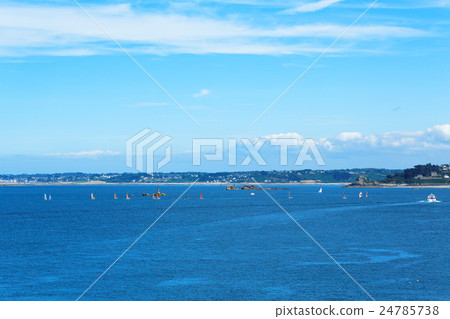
(70, 97)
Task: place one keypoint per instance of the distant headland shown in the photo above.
(418, 176)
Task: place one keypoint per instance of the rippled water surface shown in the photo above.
(228, 246)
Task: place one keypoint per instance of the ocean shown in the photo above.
(228, 246)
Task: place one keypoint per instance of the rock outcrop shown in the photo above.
(362, 181)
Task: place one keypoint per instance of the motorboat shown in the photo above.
(431, 198)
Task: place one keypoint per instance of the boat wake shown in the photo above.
(425, 201)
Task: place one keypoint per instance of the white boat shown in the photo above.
(290, 196)
(431, 198)
(343, 196)
(252, 194)
(367, 194)
(45, 196)
(360, 194)
(320, 190)
(49, 197)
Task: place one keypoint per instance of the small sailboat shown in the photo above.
(127, 197)
(201, 196)
(367, 194)
(115, 196)
(158, 194)
(92, 196)
(252, 194)
(290, 197)
(343, 196)
(431, 198)
(360, 194)
(45, 196)
(320, 190)
(49, 197)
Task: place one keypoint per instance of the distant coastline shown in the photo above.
(421, 176)
(306, 176)
(164, 183)
(347, 185)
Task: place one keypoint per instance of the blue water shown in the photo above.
(229, 246)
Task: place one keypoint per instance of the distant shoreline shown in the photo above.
(162, 183)
(401, 186)
(221, 184)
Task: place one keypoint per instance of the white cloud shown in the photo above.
(284, 136)
(440, 131)
(326, 143)
(398, 139)
(435, 138)
(288, 138)
(83, 154)
(349, 136)
(202, 92)
(371, 140)
(312, 6)
(66, 30)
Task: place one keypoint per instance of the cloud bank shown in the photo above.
(434, 138)
(61, 30)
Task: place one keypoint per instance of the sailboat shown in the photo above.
(115, 196)
(45, 196)
(343, 196)
(320, 190)
(92, 196)
(367, 194)
(127, 197)
(158, 194)
(290, 197)
(360, 194)
(49, 197)
(201, 196)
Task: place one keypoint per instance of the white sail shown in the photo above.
(320, 190)
(45, 196)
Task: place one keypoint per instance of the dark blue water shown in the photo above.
(229, 246)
